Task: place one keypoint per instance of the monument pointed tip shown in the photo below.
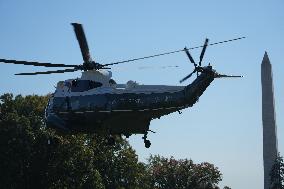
(265, 59)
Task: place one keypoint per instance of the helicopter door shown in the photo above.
(68, 103)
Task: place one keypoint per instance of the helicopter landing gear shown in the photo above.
(146, 142)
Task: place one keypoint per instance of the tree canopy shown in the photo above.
(277, 173)
(169, 173)
(33, 156)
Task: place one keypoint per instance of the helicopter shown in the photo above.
(95, 103)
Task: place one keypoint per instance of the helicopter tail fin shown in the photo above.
(224, 75)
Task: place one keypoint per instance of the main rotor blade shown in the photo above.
(80, 34)
(34, 63)
(135, 59)
(226, 41)
(159, 67)
(203, 51)
(49, 72)
(171, 52)
(188, 76)
(189, 56)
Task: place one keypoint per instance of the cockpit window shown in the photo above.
(84, 85)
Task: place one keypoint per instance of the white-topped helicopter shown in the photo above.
(96, 103)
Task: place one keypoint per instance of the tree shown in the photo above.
(169, 173)
(277, 173)
(119, 165)
(33, 156)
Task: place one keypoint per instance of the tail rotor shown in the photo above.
(203, 51)
(197, 67)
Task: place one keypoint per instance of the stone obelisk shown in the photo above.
(268, 119)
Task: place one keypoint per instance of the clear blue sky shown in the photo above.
(224, 127)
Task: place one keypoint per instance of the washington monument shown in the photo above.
(268, 119)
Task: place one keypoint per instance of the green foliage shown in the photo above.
(33, 156)
(277, 174)
(169, 173)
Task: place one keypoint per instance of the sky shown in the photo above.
(224, 127)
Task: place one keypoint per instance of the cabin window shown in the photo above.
(84, 85)
(93, 84)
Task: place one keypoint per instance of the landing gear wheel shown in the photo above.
(147, 143)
